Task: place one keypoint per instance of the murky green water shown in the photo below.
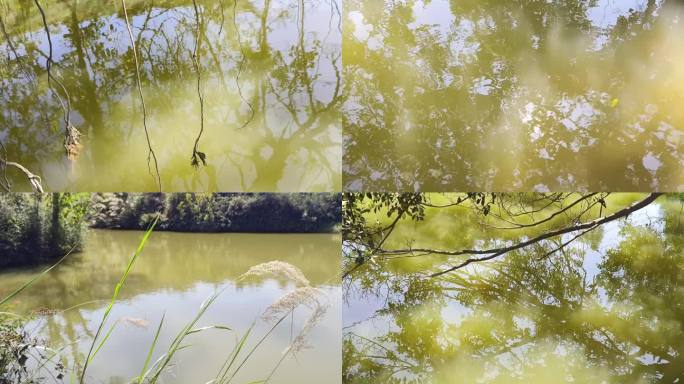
(174, 275)
(606, 310)
(513, 95)
(270, 78)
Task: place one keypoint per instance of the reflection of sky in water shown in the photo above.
(359, 312)
(606, 12)
(321, 23)
(435, 13)
(236, 307)
(562, 92)
(293, 142)
(649, 216)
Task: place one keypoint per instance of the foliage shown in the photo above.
(189, 212)
(40, 227)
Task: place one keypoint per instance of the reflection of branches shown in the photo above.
(556, 213)
(568, 242)
(386, 232)
(7, 38)
(603, 303)
(242, 62)
(384, 353)
(494, 253)
(150, 153)
(291, 143)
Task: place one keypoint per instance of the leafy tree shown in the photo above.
(40, 227)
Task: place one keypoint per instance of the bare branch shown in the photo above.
(35, 180)
(198, 156)
(494, 253)
(150, 153)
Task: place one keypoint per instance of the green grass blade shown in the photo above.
(258, 344)
(115, 296)
(233, 356)
(104, 339)
(177, 343)
(196, 330)
(143, 372)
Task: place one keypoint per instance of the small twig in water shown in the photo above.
(36, 182)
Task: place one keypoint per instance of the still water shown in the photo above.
(173, 276)
(269, 77)
(513, 95)
(606, 310)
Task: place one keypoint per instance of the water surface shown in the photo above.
(269, 77)
(174, 275)
(513, 95)
(605, 310)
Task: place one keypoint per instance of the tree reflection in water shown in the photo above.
(602, 309)
(513, 95)
(270, 76)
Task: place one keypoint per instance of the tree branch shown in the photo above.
(35, 180)
(494, 253)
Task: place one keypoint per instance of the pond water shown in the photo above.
(270, 81)
(606, 310)
(173, 276)
(513, 95)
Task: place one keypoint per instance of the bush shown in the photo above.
(40, 227)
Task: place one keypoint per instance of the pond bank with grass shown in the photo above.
(258, 278)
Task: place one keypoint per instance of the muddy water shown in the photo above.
(603, 311)
(512, 95)
(270, 80)
(173, 276)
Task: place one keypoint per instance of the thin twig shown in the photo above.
(198, 156)
(71, 134)
(35, 180)
(150, 154)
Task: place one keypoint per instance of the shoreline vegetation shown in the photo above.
(37, 228)
(24, 358)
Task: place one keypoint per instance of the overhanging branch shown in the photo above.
(586, 226)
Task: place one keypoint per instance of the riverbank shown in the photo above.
(39, 228)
